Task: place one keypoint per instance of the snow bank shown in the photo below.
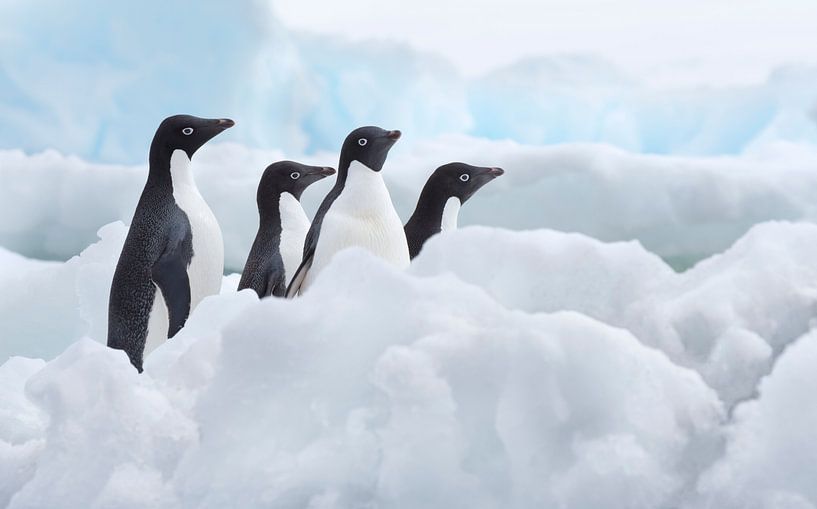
(577, 374)
(771, 451)
(683, 209)
(728, 317)
(50, 306)
(435, 396)
(122, 69)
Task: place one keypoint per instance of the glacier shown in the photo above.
(117, 70)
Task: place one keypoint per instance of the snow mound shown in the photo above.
(435, 396)
(728, 317)
(771, 449)
(578, 374)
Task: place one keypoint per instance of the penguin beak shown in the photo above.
(495, 172)
(393, 135)
(224, 123)
(324, 171)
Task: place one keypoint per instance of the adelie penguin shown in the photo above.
(441, 198)
(278, 247)
(358, 210)
(173, 255)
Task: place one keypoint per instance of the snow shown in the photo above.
(728, 317)
(625, 319)
(355, 400)
(771, 449)
(461, 382)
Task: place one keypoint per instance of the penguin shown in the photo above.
(173, 255)
(441, 198)
(278, 247)
(357, 211)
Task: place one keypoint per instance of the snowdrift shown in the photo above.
(577, 374)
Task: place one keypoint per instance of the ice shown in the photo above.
(121, 69)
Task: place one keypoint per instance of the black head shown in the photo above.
(368, 145)
(461, 180)
(288, 177)
(186, 132)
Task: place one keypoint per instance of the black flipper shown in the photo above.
(300, 274)
(170, 275)
(276, 286)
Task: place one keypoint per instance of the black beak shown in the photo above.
(393, 135)
(324, 171)
(224, 123)
(495, 172)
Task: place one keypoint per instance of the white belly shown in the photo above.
(451, 212)
(207, 265)
(158, 324)
(294, 227)
(362, 216)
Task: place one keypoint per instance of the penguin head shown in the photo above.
(461, 180)
(188, 133)
(288, 177)
(369, 146)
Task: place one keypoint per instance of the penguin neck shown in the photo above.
(364, 190)
(170, 167)
(283, 212)
(451, 213)
(436, 210)
(180, 172)
(269, 213)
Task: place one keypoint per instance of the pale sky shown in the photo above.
(667, 44)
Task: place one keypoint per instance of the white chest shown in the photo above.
(207, 266)
(451, 213)
(362, 216)
(294, 227)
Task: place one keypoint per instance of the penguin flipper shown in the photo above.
(275, 285)
(300, 274)
(170, 275)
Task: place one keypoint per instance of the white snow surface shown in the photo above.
(503, 369)
(682, 208)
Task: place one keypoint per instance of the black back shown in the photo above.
(159, 245)
(370, 146)
(457, 180)
(264, 270)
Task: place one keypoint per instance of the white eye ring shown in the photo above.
(294, 175)
(187, 131)
(465, 177)
(362, 142)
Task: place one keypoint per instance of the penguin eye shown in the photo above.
(187, 131)
(294, 175)
(362, 142)
(465, 177)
